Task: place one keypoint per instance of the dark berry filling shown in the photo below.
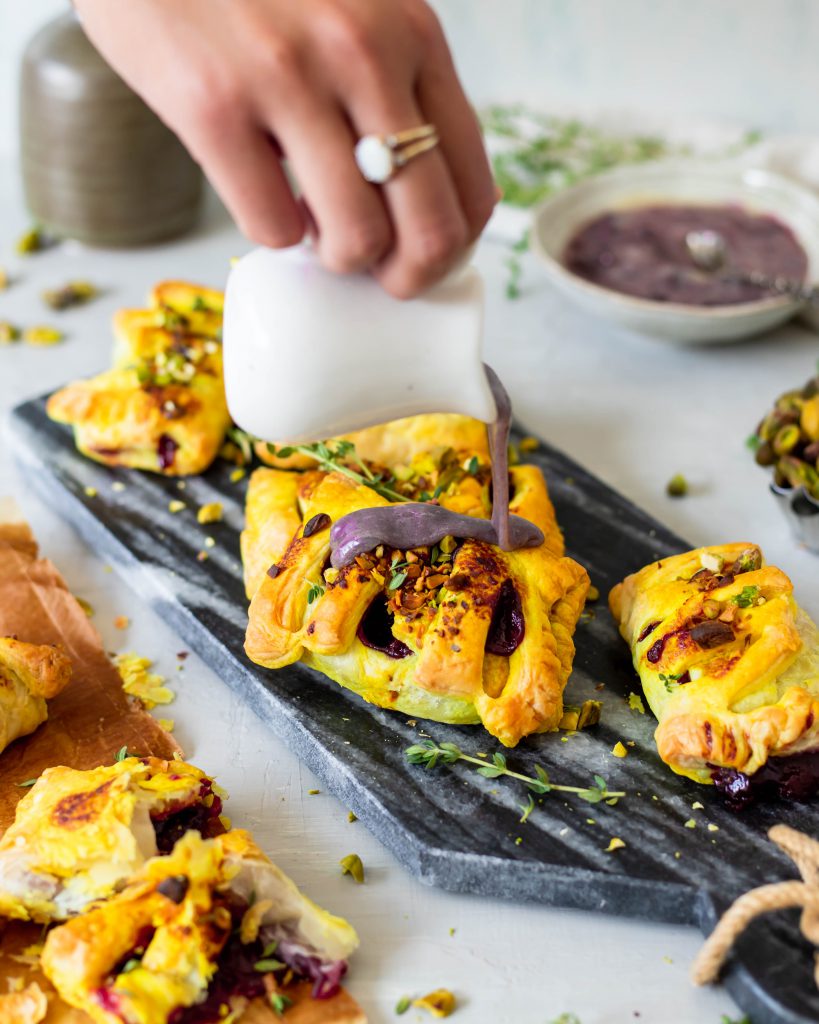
(173, 823)
(507, 628)
(784, 778)
(375, 631)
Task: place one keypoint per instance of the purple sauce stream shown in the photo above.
(419, 524)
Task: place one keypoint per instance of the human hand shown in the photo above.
(243, 82)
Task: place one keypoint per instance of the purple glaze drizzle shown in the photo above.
(420, 524)
(416, 525)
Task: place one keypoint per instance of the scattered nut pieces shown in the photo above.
(440, 1003)
(175, 505)
(137, 681)
(210, 513)
(690, 823)
(75, 293)
(351, 817)
(615, 844)
(90, 492)
(42, 336)
(8, 333)
(33, 240)
(352, 865)
(237, 474)
(635, 702)
(619, 750)
(579, 717)
(677, 486)
(713, 828)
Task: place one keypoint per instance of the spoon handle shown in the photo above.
(779, 285)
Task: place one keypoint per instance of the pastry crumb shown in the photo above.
(615, 844)
(210, 513)
(619, 750)
(690, 823)
(175, 505)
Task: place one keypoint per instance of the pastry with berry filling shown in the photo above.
(201, 935)
(162, 407)
(30, 675)
(78, 835)
(458, 631)
(728, 661)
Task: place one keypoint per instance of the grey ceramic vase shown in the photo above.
(98, 165)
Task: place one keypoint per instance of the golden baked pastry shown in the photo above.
(26, 1006)
(30, 674)
(462, 633)
(399, 442)
(728, 661)
(162, 407)
(78, 835)
(212, 924)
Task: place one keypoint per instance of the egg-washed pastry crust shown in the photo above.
(30, 674)
(162, 407)
(728, 661)
(399, 442)
(191, 927)
(442, 612)
(78, 835)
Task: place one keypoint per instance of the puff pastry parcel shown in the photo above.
(30, 674)
(162, 407)
(728, 661)
(463, 633)
(197, 936)
(78, 835)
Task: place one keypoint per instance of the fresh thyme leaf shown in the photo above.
(753, 442)
(315, 592)
(243, 441)
(473, 465)
(527, 809)
(27, 784)
(121, 754)
(430, 754)
(397, 580)
(199, 304)
(270, 949)
(669, 680)
(279, 1002)
(266, 965)
(403, 1005)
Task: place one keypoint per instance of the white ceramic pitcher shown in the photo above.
(310, 354)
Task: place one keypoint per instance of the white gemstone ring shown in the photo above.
(379, 157)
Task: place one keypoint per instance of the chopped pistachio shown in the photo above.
(175, 505)
(351, 817)
(33, 240)
(697, 806)
(352, 865)
(237, 474)
(8, 333)
(90, 492)
(635, 702)
(403, 1005)
(712, 561)
(86, 607)
(577, 717)
(713, 828)
(677, 486)
(690, 823)
(75, 293)
(210, 513)
(615, 844)
(42, 335)
(313, 792)
(619, 750)
(226, 822)
(439, 1003)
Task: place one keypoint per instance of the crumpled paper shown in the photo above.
(87, 724)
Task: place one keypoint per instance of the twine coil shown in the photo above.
(804, 852)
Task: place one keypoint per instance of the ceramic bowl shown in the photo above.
(677, 181)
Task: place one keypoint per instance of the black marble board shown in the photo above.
(449, 826)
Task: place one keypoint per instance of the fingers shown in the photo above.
(444, 104)
(347, 215)
(243, 166)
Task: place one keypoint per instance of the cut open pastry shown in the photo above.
(30, 674)
(462, 633)
(162, 407)
(728, 661)
(78, 835)
(198, 935)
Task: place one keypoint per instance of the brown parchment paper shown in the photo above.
(87, 724)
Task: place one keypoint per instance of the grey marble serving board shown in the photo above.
(449, 826)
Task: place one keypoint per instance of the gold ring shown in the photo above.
(379, 157)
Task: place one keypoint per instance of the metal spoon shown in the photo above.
(709, 252)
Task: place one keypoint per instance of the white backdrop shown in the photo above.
(756, 61)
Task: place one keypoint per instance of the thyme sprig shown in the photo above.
(430, 754)
(341, 457)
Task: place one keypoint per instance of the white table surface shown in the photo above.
(633, 411)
